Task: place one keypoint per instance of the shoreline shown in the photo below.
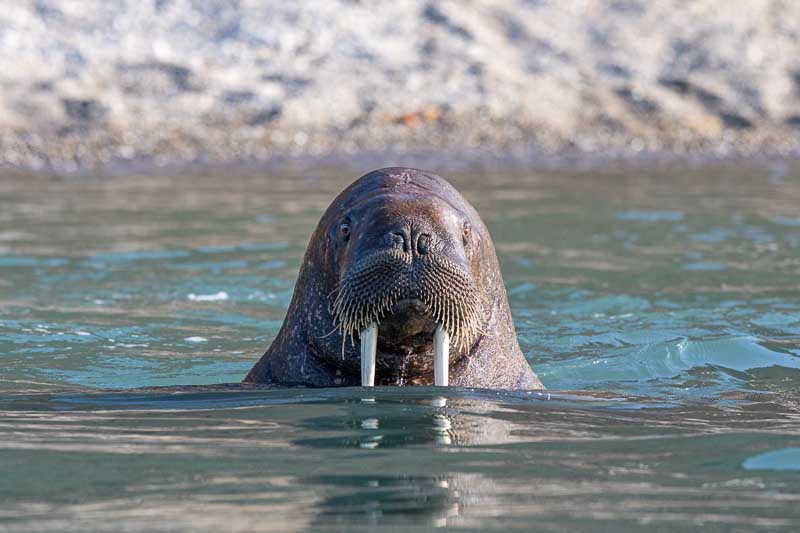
(449, 159)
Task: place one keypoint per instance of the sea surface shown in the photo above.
(660, 305)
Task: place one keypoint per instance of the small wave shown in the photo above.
(216, 297)
(785, 459)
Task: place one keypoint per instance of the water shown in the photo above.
(660, 306)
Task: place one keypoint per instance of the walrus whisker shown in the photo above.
(331, 332)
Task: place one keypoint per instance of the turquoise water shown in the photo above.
(660, 305)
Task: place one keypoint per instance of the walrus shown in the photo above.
(400, 285)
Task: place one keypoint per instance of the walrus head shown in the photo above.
(399, 284)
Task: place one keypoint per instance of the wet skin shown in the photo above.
(402, 249)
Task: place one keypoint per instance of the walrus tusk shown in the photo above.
(369, 345)
(441, 357)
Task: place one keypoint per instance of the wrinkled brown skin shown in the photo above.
(305, 352)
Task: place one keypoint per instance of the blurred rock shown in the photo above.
(97, 82)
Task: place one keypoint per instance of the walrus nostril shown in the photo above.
(398, 240)
(423, 243)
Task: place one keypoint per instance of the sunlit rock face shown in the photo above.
(84, 83)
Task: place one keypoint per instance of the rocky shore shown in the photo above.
(92, 83)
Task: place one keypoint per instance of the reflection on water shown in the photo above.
(360, 459)
(665, 300)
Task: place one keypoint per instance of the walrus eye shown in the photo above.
(344, 231)
(467, 233)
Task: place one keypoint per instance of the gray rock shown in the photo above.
(94, 82)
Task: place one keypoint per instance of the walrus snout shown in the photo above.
(406, 291)
(408, 305)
